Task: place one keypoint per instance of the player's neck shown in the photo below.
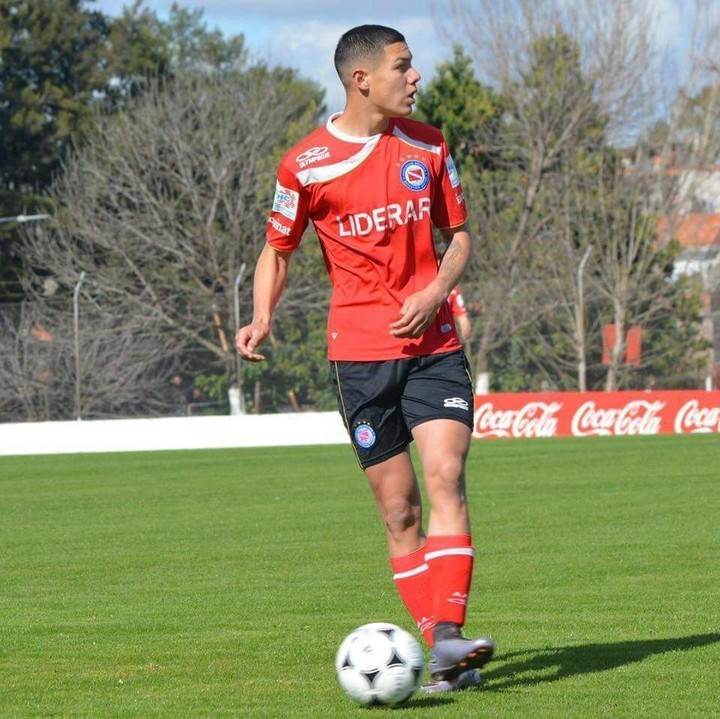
(361, 122)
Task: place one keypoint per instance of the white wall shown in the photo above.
(122, 435)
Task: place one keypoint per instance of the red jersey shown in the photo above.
(456, 302)
(372, 201)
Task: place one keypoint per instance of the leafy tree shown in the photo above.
(569, 77)
(455, 102)
(51, 57)
(59, 60)
(160, 206)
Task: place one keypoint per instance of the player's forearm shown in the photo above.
(270, 277)
(454, 261)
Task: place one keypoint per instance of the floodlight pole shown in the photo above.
(238, 361)
(76, 327)
(580, 322)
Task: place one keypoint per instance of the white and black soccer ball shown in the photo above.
(379, 663)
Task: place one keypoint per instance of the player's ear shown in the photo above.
(360, 79)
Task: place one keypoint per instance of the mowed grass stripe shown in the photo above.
(220, 583)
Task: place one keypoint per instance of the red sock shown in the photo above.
(412, 578)
(450, 559)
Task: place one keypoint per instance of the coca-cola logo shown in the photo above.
(694, 419)
(636, 417)
(534, 419)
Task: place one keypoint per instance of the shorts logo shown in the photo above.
(456, 403)
(415, 175)
(365, 435)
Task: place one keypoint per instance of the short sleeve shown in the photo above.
(448, 208)
(289, 215)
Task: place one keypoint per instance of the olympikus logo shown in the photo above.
(637, 417)
(381, 218)
(535, 419)
(694, 419)
(314, 154)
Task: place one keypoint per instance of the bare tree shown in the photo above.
(575, 78)
(160, 207)
(120, 371)
(653, 192)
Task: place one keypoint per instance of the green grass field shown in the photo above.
(220, 583)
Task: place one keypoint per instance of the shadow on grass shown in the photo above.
(534, 666)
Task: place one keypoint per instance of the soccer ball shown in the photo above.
(379, 663)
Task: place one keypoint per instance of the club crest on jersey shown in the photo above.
(364, 435)
(415, 175)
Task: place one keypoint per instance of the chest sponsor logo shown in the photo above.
(383, 218)
(285, 201)
(415, 175)
(314, 154)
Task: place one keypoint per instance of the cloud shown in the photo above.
(321, 10)
(310, 46)
(304, 34)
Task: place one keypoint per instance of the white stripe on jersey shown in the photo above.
(337, 169)
(416, 143)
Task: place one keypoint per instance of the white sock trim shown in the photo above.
(411, 572)
(466, 551)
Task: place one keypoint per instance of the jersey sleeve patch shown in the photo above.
(285, 201)
(452, 172)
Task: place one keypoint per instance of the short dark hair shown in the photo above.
(361, 42)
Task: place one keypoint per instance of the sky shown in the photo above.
(303, 33)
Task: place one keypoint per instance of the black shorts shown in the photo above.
(381, 402)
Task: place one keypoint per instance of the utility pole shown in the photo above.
(76, 326)
(580, 322)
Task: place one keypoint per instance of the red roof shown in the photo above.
(692, 230)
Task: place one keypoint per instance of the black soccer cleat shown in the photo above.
(453, 656)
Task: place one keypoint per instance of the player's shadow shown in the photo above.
(550, 664)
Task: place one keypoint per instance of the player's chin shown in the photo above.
(404, 108)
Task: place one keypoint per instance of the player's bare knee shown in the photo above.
(447, 473)
(400, 515)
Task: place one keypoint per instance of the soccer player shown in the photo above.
(373, 183)
(460, 314)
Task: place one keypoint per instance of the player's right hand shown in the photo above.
(247, 339)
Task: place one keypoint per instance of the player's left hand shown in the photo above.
(416, 315)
